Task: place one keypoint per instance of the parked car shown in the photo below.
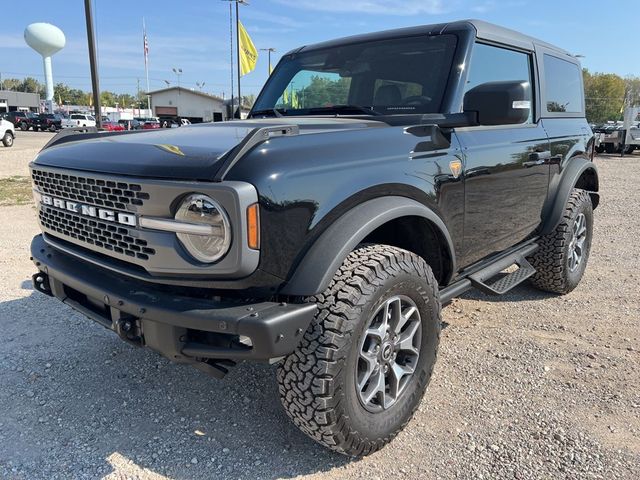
(150, 125)
(112, 126)
(325, 232)
(48, 121)
(7, 132)
(22, 120)
(79, 120)
(130, 124)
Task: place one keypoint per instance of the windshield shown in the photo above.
(398, 76)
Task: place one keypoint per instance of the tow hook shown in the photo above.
(41, 283)
(128, 327)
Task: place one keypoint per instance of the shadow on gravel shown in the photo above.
(76, 397)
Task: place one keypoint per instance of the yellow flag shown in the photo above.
(248, 52)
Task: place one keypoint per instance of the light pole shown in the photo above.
(167, 82)
(200, 85)
(178, 72)
(268, 50)
(237, 2)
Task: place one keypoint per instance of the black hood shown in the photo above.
(188, 153)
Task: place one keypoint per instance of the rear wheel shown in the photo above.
(7, 140)
(562, 257)
(23, 126)
(363, 365)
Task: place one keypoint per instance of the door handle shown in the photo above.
(541, 158)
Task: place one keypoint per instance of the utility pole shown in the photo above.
(238, 44)
(268, 50)
(93, 63)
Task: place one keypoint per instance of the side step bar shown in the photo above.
(485, 279)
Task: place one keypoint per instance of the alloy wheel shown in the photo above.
(388, 353)
(577, 244)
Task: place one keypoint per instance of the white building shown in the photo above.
(11, 101)
(184, 103)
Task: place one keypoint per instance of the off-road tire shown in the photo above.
(551, 260)
(7, 140)
(317, 381)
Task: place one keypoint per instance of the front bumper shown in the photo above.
(185, 329)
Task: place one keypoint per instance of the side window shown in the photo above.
(75, 117)
(563, 85)
(495, 64)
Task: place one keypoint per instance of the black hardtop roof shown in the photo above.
(483, 31)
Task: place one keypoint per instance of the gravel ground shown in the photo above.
(15, 160)
(527, 386)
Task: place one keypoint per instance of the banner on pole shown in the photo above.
(248, 51)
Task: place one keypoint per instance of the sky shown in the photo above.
(194, 34)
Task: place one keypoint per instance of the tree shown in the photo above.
(11, 84)
(31, 85)
(248, 100)
(604, 96)
(324, 92)
(632, 91)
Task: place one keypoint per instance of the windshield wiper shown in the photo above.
(341, 108)
(267, 111)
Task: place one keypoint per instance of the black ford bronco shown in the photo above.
(377, 177)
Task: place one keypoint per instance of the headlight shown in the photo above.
(200, 209)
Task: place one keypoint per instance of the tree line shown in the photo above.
(65, 95)
(606, 94)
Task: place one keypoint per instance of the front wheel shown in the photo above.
(562, 257)
(365, 361)
(7, 140)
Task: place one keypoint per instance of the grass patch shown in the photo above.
(15, 191)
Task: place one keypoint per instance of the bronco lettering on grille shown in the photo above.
(90, 211)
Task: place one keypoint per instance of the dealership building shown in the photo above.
(11, 101)
(178, 102)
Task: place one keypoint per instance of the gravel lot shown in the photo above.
(527, 385)
(15, 160)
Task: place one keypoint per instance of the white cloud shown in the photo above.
(387, 7)
(12, 41)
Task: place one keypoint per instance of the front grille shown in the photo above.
(101, 193)
(94, 232)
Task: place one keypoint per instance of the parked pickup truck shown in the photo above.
(22, 120)
(79, 120)
(376, 178)
(48, 121)
(7, 132)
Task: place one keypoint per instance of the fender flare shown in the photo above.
(314, 272)
(568, 180)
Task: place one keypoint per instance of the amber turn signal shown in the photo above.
(253, 226)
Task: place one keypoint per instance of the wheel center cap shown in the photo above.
(387, 350)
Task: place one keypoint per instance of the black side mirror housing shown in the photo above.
(499, 103)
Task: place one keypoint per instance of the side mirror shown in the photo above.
(499, 103)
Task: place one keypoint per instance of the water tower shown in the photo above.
(46, 39)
